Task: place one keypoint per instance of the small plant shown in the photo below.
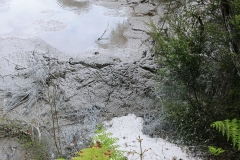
(35, 149)
(103, 147)
(104, 138)
(97, 152)
(141, 153)
(109, 142)
(215, 151)
(23, 132)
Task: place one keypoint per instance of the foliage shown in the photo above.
(103, 147)
(36, 149)
(198, 81)
(24, 133)
(104, 138)
(235, 9)
(215, 151)
(95, 152)
(109, 142)
(231, 129)
(13, 128)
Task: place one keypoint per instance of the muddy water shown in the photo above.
(68, 25)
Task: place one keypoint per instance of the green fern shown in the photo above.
(103, 147)
(95, 152)
(215, 151)
(106, 140)
(231, 129)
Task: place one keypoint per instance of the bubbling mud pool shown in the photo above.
(69, 26)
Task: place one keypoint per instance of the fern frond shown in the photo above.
(227, 126)
(215, 151)
(231, 129)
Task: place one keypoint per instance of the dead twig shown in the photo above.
(2, 77)
(103, 33)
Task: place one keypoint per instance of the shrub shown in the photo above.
(198, 81)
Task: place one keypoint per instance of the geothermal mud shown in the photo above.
(102, 66)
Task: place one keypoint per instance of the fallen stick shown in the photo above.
(103, 33)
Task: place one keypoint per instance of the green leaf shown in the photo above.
(215, 151)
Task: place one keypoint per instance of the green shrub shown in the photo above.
(198, 81)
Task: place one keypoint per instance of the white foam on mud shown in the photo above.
(128, 128)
